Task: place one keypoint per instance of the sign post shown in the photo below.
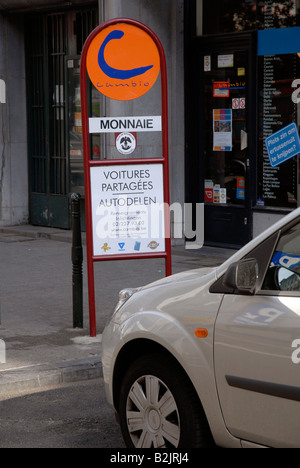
(124, 196)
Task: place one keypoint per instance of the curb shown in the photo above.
(37, 377)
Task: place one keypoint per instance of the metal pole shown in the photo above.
(77, 260)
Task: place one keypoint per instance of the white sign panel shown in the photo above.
(2, 92)
(128, 209)
(125, 124)
(226, 61)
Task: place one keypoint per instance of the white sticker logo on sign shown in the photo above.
(126, 143)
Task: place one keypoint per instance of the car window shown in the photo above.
(283, 273)
(262, 254)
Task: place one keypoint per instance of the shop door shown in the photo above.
(228, 143)
(46, 45)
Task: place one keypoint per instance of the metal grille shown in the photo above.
(37, 108)
(86, 21)
(57, 52)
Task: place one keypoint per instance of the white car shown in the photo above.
(212, 356)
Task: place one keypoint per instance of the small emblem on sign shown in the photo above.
(137, 246)
(153, 245)
(126, 143)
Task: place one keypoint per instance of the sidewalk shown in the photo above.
(36, 312)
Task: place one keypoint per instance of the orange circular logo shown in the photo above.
(123, 62)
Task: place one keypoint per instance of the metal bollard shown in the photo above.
(77, 260)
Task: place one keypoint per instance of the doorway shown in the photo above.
(224, 136)
(53, 46)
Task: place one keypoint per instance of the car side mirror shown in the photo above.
(242, 276)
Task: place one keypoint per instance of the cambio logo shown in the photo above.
(2, 92)
(296, 353)
(2, 352)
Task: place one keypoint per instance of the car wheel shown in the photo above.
(159, 407)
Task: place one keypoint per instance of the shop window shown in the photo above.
(226, 132)
(279, 98)
(283, 14)
(227, 16)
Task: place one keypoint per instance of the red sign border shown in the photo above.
(88, 164)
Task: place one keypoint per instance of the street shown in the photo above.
(41, 345)
(69, 416)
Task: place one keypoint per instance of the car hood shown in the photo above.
(180, 277)
(170, 295)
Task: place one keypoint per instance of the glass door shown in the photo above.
(228, 143)
(226, 135)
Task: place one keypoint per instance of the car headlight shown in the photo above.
(124, 295)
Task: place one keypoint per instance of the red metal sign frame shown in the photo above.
(88, 164)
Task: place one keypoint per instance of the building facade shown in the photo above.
(234, 81)
(242, 68)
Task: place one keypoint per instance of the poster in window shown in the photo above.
(222, 130)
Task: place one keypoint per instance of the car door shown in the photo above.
(256, 356)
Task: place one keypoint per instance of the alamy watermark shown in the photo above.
(2, 92)
(296, 353)
(2, 352)
(121, 219)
